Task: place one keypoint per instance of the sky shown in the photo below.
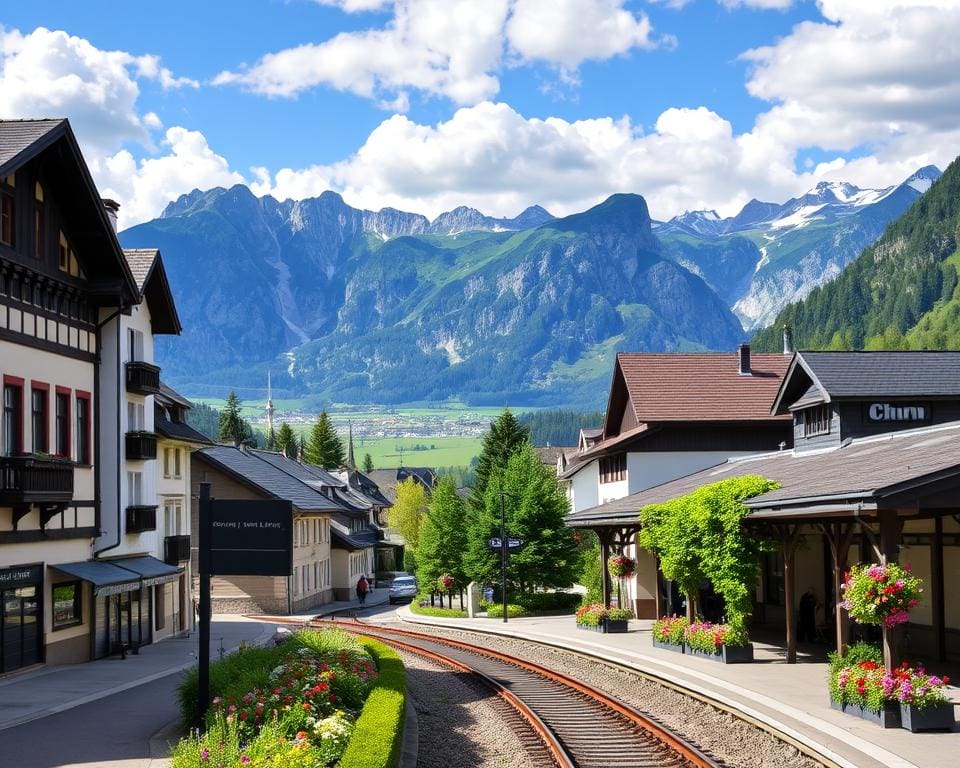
(424, 105)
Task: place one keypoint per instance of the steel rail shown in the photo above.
(688, 754)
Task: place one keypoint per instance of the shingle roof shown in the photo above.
(701, 386)
(258, 468)
(886, 374)
(866, 468)
(140, 261)
(549, 454)
(169, 393)
(178, 430)
(18, 135)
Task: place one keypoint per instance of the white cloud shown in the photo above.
(449, 48)
(356, 6)
(144, 188)
(779, 5)
(48, 73)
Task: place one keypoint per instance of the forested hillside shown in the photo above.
(899, 293)
(558, 427)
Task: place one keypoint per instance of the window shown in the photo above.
(38, 417)
(38, 244)
(773, 584)
(64, 261)
(66, 604)
(173, 518)
(63, 422)
(171, 462)
(7, 218)
(134, 345)
(613, 468)
(134, 488)
(12, 417)
(83, 428)
(816, 421)
(159, 606)
(135, 417)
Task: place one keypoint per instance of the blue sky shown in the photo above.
(427, 104)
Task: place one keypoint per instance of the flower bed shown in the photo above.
(599, 618)
(881, 594)
(720, 642)
(907, 695)
(303, 715)
(668, 632)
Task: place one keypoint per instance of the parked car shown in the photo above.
(402, 588)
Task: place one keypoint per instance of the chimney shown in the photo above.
(743, 356)
(787, 339)
(112, 207)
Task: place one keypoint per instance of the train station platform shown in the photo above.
(791, 699)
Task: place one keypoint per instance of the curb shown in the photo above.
(761, 719)
(409, 751)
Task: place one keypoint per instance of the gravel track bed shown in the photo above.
(727, 739)
(461, 724)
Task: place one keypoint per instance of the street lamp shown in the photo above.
(503, 552)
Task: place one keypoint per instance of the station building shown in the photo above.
(873, 475)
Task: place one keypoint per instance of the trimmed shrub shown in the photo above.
(549, 602)
(445, 613)
(378, 733)
(495, 611)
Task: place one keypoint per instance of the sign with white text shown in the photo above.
(251, 538)
(495, 543)
(885, 412)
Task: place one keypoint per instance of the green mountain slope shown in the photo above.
(899, 292)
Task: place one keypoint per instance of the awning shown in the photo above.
(107, 578)
(150, 570)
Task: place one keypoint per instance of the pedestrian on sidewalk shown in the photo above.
(362, 588)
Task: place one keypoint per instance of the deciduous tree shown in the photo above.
(408, 510)
(443, 537)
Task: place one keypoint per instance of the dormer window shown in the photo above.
(816, 421)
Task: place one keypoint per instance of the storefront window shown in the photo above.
(66, 605)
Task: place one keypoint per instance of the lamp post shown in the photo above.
(503, 552)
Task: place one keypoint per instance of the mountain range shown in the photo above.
(350, 306)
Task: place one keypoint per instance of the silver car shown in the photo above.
(402, 588)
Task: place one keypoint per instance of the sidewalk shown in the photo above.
(53, 689)
(790, 698)
(374, 598)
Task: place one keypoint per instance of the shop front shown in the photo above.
(21, 616)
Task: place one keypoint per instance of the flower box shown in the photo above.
(937, 717)
(676, 647)
(727, 654)
(591, 628)
(615, 625)
(888, 717)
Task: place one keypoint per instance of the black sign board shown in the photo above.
(496, 542)
(251, 538)
(21, 576)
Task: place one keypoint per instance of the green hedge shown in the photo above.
(377, 737)
(445, 613)
(559, 602)
(495, 611)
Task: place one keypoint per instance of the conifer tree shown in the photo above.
(535, 511)
(324, 447)
(367, 463)
(443, 538)
(286, 441)
(232, 425)
(505, 437)
(271, 439)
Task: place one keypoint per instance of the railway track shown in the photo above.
(579, 726)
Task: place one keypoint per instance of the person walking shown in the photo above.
(363, 586)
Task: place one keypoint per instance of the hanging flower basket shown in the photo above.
(881, 594)
(621, 566)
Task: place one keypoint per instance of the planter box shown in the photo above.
(669, 646)
(615, 626)
(936, 718)
(888, 717)
(728, 654)
(588, 628)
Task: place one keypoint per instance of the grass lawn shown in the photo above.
(441, 451)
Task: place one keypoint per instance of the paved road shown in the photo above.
(112, 732)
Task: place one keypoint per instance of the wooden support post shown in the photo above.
(604, 556)
(790, 537)
(839, 537)
(658, 583)
(936, 591)
(890, 525)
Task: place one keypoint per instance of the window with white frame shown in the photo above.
(171, 463)
(173, 523)
(135, 417)
(134, 488)
(134, 345)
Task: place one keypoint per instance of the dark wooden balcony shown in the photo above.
(143, 378)
(141, 446)
(176, 549)
(41, 480)
(141, 517)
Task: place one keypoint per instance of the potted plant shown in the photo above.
(881, 594)
(720, 642)
(856, 685)
(668, 633)
(617, 619)
(591, 617)
(621, 566)
(923, 704)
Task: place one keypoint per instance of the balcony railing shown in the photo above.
(176, 549)
(143, 378)
(141, 517)
(141, 446)
(35, 480)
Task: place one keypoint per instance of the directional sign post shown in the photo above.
(249, 538)
(512, 544)
(504, 545)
